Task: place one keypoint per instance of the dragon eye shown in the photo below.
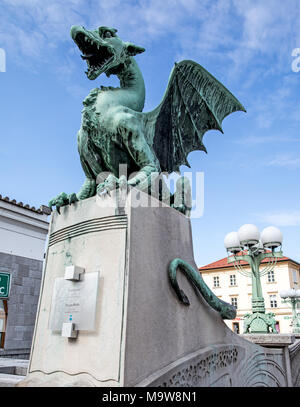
(107, 34)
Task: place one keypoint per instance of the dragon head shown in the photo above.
(103, 50)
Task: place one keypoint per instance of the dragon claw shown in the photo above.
(108, 185)
(101, 190)
(62, 200)
(103, 193)
(50, 204)
(72, 198)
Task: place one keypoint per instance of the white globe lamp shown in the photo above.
(232, 242)
(292, 293)
(271, 237)
(248, 235)
(284, 294)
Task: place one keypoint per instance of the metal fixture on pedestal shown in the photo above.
(250, 246)
(292, 297)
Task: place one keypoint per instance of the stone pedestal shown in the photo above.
(143, 335)
(271, 340)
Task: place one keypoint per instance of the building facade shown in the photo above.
(23, 232)
(229, 285)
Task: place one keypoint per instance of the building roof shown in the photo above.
(42, 210)
(220, 264)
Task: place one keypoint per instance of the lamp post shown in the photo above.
(253, 247)
(292, 296)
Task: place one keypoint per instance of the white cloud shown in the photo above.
(252, 140)
(281, 102)
(245, 38)
(288, 161)
(288, 218)
(270, 26)
(240, 28)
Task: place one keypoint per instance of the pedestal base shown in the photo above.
(259, 323)
(143, 336)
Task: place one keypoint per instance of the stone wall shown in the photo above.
(22, 303)
(227, 365)
(295, 361)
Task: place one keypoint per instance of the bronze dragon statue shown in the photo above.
(114, 130)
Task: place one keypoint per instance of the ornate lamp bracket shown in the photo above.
(250, 247)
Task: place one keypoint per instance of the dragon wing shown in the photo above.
(193, 103)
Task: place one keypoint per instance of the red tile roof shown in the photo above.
(223, 263)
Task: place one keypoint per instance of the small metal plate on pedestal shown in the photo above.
(69, 330)
(74, 302)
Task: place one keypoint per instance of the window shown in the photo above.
(295, 279)
(271, 276)
(273, 301)
(236, 327)
(216, 281)
(232, 279)
(234, 301)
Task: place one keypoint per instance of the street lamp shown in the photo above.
(253, 247)
(292, 296)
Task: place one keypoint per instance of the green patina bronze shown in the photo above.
(296, 317)
(114, 130)
(227, 311)
(258, 322)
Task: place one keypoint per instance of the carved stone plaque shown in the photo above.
(74, 301)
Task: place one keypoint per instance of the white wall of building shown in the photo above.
(23, 232)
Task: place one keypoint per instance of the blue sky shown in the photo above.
(251, 171)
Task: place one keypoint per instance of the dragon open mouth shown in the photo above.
(97, 56)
